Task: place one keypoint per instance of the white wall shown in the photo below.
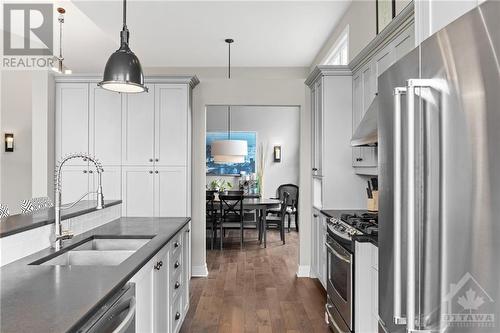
(361, 19)
(275, 125)
(16, 118)
(27, 110)
(248, 86)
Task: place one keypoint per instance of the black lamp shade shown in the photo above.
(123, 72)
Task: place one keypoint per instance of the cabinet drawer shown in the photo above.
(176, 262)
(176, 314)
(176, 283)
(176, 245)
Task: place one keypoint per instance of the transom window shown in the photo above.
(339, 53)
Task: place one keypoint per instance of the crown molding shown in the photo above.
(327, 70)
(404, 19)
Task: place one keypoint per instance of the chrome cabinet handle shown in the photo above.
(151, 171)
(359, 159)
(84, 171)
(176, 244)
(177, 264)
(156, 171)
(91, 171)
(398, 316)
(177, 316)
(188, 230)
(157, 159)
(177, 285)
(150, 160)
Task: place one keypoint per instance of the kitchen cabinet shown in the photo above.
(366, 287)
(142, 140)
(387, 48)
(105, 125)
(72, 120)
(138, 191)
(162, 287)
(318, 248)
(170, 191)
(75, 182)
(138, 129)
(171, 124)
(332, 117)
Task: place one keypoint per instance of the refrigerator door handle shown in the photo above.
(413, 320)
(398, 316)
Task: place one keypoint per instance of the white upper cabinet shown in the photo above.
(171, 121)
(75, 182)
(138, 128)
(72, 120)
(317, 128)
(106, 125)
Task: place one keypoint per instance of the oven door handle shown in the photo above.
(338, 255)
(330, 317)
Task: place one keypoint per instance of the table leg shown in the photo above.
(264, 225)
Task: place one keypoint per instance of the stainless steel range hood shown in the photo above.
(367, 134)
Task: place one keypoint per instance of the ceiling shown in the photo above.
(191, 34)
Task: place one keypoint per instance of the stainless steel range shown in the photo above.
(342, 231)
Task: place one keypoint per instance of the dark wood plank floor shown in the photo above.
(255, 290)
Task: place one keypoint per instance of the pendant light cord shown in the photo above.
(229, 62)
(124, 34)
(124, 14)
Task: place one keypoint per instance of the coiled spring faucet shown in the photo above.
(59, 235)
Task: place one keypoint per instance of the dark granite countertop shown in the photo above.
(363, 238)
(61, 298)
(21, 222)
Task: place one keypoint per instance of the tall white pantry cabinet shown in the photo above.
(143, 141)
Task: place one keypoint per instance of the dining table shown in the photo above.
(261, 205)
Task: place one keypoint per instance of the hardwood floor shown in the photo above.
(255, 290)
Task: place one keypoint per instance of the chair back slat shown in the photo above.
(293, 194)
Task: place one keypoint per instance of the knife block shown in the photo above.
(373, 202)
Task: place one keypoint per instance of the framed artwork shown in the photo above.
(231, 169)
(385, 11)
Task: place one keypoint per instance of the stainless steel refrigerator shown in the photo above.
(439, 181)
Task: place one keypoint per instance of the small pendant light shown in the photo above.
(60, 68)
(123, 71)
(229, 151)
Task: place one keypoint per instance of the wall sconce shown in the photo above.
(9, 142)
(277, 154)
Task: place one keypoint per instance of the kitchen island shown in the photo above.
(45, 298)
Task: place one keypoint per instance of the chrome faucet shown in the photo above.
(59, 235)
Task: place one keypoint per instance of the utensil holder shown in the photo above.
(372, 203)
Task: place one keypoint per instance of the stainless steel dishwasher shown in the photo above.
(116, 316)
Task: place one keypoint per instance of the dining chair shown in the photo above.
(278, 220)
(4, 210)
(231, 210)
(292, 204)
(211, 216)
(34, 204)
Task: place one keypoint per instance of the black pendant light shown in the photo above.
(123, 71)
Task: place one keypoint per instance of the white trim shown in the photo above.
(304, 271)
(199, 271)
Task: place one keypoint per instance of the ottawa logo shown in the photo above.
(468, 305)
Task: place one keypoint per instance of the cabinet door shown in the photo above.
(170, 191)
(106, 125)
(75, 183)
(314, 250)
(161, 291)
(171, 121)
(368, 81)
(322, 250)
(313, 130)
(72, 120)
(382, 61)
(357, 101)
(144, 295)
(318, 129)
(138, 194)
(186, 253)
(138, 129)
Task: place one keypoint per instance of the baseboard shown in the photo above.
(199, 271)
(304, 271)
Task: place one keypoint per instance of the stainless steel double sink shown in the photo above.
(96, 251)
